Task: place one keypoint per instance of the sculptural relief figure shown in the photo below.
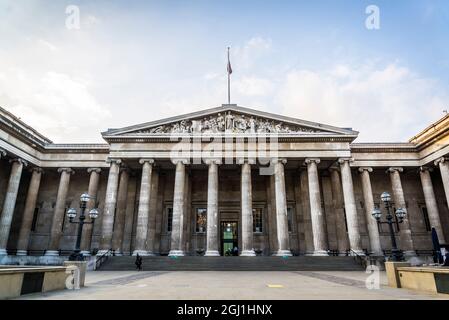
(229, 123)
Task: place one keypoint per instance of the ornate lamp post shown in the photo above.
(400, 214)
(71, 213)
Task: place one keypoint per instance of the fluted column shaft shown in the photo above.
(247, 209)
(144, 208)
(212, 209)
(28, 212)
(176, 246)
(316, 210)
(431, 202)
(92, 191)
(337, 199)
(58, 215)
(373, 230)
(350, 208)
(281, 209)
(405, 235)
(443, 163)
(10, 202)
(109, 206)
(119, 223)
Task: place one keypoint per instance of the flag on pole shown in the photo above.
(229, 64)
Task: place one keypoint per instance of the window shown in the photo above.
(34, 222)
(346, 220)
(426, 219)
(63, 219)
(290, 218)
(257, 220)
(169, 219)
(201, 219)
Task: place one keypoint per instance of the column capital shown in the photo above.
(20, 160)
(394, 169)
(143, 160)
(36, 169)
(96, 170)
(2, 152)
(68, 170)
(441, 160)
(244, 160)
(312, 160)
(343, 160)
(277, 160)
(212, 161)
(180, 160)
(424, 169)
(114, 160)
(368, 169)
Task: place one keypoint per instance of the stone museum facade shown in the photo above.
(200, 184)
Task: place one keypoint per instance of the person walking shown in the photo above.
(138, 262)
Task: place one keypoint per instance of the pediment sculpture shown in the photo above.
(228, 122)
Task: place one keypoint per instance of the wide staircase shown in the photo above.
(259, 263)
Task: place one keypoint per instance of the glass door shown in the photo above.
(229, 238)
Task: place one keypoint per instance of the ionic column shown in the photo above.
(28, 212)
(154, 202)
(405, 235)
(337, 197)
(212, 208)
(92, 191)
(10, 202)
(316, 211)
(373, 230)
(247, 208)
(59, 212)
(281, 208)
(176, 246)
(119, 223)
(144, 208)
(443, 163)
(431, 202)
(355, 242)
(109, 206)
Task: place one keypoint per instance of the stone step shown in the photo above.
(192, 263)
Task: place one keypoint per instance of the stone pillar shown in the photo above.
(316, 210)
(92, 191)
(119, 223)
(431, 202)
(443, 163)
(109, 206)
(337, 197)
(59, 212)
(247, 209)
(176, 245)
(373, 230)
(144, 208)
(10, 202)
(355, 242)
(28, 212)
(281, 208)
(154, 195)
(405, 235)
(212, 208)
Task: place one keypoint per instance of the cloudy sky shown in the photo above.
(136, 61)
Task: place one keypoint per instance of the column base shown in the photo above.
(409, 253)
(359, 252)
(21, 253)
(247, 253)
(212, 253)
(3, 252)
(320, 253)
(85, 253)
(176, 253)
(101, 252)
(283, 253)
(142, 253)
(51, 253)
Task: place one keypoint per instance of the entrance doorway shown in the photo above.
(229, 238)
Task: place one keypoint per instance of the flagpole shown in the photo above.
(229, 81)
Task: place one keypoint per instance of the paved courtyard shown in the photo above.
(224, 285)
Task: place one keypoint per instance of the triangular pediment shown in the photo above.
(228, 119)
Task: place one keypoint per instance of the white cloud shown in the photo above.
(387, 103)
